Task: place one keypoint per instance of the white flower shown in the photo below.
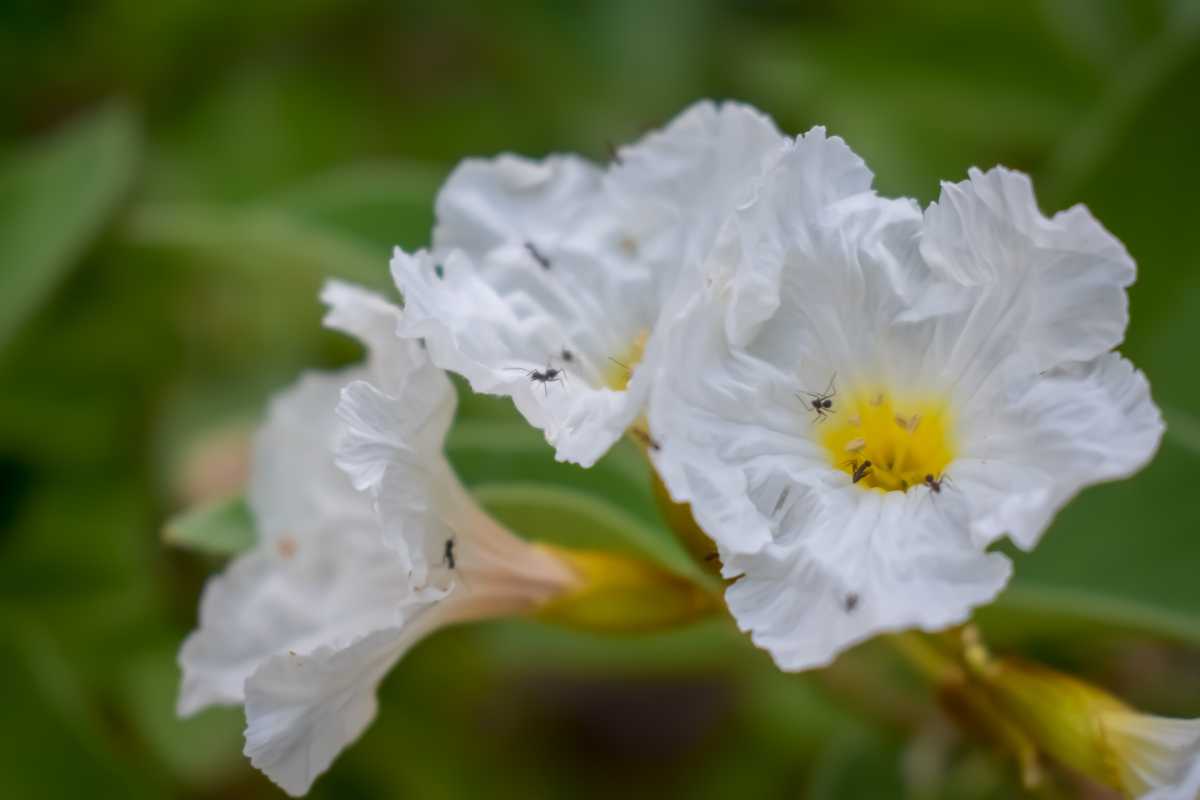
(547, 279)
(864, 397)
(303, 628)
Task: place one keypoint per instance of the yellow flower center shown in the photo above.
(887, 442)
(620, 367)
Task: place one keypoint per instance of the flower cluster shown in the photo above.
(854, 396)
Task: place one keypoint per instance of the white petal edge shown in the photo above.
(1079, 425)
(297, 593)
(1067, 270)
(303, 710)
(856, 564)
(294, 447)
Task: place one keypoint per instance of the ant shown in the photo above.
(567, 355)
(448, 554)
(538, 255)
(545, 376)
(851, 602)
(860, 471)
(822, 404)
(935, 484)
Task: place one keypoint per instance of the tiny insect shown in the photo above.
(782, 499)
(822, 404)
(567, 355)
(439, 270)
(645, 438)
(545, 376)
(851, 602)
(538, 255)
(860, 470)
(935, 484)
(448, 553)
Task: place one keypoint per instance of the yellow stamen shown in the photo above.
(904, 438)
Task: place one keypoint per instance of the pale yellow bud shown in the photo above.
(1089, 730)
(618, 593)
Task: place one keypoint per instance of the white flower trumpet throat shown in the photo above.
(350, 572)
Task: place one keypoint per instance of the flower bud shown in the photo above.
(1090, 731)
(617, 593)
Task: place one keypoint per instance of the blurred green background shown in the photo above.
(177, 179)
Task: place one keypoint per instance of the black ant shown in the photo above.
(448, 554)
(538, 255)
(860, 471)
(851, 602)
(935, 484)
(545, 376)
(822, 403)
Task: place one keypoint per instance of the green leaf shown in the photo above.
(251, 237)
(1026, 613)
(50, 720)
(579, 520)
(389, 203)
(509, 450)
(223, 528)
(203, 750)
(857, 763)
(1183, 429)
(55, 198)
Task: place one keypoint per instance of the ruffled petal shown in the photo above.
(294, 594)
(302, 710)
(1054, 287)
(674, 188)
(533, 294)
(536, 336)
(1078, 425)
(399, 461)
(294, 448)
(532, 208)
(857, 563)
